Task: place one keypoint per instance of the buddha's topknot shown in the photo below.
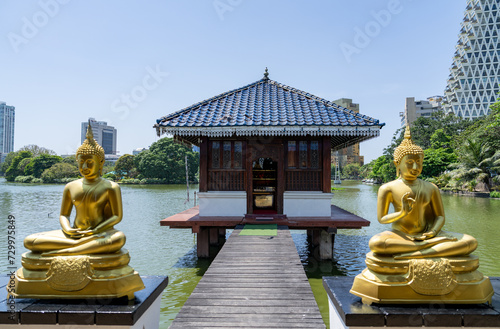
(90, 146)
(406, 147)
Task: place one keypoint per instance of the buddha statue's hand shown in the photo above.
(425, 236)
(84, 233)
(77, 233)
(407, 203)
(72, 232)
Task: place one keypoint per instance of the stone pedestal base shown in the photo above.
(118, 313)
(76, 277)
(450, 280)
(348, 312)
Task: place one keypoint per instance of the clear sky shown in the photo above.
(131, 62)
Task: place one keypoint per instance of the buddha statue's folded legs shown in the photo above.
(445, 244)
(55, 242)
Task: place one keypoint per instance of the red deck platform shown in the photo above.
(339, 219)
(212, 229)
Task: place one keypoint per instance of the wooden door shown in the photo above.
(270, 149)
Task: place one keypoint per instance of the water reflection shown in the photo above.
(157, 250)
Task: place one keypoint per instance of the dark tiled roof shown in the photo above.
(265, 103)
(269, 108)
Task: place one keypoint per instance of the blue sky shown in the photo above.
(131, 62)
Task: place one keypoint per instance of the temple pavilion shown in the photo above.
(265, 156)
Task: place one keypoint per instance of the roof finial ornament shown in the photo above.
(266, 74)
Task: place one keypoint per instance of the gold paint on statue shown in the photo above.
(86, 259)
(418, 262)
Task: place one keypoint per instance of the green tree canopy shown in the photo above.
(22, 165)
(59, 170)
(439, 139)
(423, 128)
(382, 170)
(37, 150)
(71, 160)
(351, 170)
(436, 161)
(125, 165)
(13, 171)
(40, 163)
(8, 160)
(165, 160)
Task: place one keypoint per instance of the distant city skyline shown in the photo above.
(136, 62)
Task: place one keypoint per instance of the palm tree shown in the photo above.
(493, 165)
(477, 165)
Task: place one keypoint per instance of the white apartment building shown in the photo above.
(422, 108)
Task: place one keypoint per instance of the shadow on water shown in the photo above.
(184, 276)
(348, 250)
(191, 260)
(350, 246)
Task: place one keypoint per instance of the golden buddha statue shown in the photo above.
(85, 260)
(418, 262)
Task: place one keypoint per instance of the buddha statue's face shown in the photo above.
(89, 166)
(411, 166)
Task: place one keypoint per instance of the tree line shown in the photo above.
(459, 154)
(163, 163)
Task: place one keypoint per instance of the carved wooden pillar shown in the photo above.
(203, 165)
(327, 170)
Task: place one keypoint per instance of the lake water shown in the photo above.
(157, 250)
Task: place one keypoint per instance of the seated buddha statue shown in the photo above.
(417, 260)
(86, 259)
(98, 206)
(419, 214)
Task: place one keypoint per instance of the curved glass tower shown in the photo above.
(474, 78)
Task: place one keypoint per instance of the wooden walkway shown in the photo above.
(254, 282)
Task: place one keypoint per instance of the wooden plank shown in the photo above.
(249, 303)
(254, 282)
(220, 295)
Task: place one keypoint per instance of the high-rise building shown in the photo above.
(475, 73)
(103, 134)
(7, 121)
(348, 154)
(416, 109)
